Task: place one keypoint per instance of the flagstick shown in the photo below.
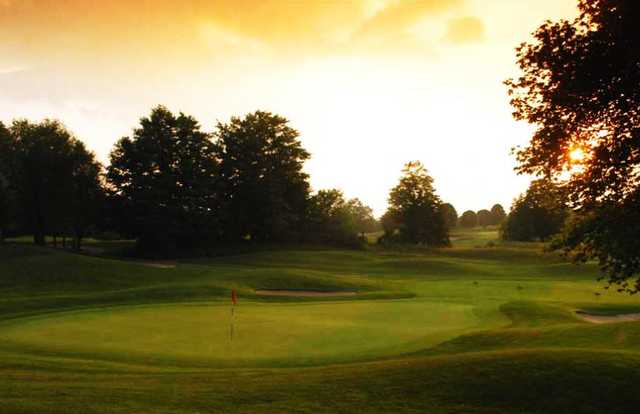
(233, 309)
(231, 329)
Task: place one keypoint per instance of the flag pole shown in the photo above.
(234, 301)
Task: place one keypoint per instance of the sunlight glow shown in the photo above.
(577, 155)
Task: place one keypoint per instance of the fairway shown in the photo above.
(427, 329)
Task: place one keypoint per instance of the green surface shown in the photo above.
(482, 327)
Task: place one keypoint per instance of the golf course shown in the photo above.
(484, 326)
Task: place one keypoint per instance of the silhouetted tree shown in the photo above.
(497, 214)
(87, 194)
(331, 219)
(166, 176)
(536, 215)
(450, 215)
(484, 218)
(415, 207)
(44, 168)
(579, 86)
(7, 194)
(362, 216)
(263, 185)
(469, 219)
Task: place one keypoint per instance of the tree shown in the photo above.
(166, 178)
(415, 207)
(497, 214)
(331, 219)
(469, 219)
(44, 168)
(450, 215)
(579, 87)
(484, 218)
(536, 215)
(263, 184)
(362, 216)
(87, 194)
(7, 195)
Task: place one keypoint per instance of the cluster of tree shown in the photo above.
(49, 182)
(483, 218)
(416, 214)
(538, 214)
(579, 87)
(172, 186)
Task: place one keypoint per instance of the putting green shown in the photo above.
(264, 334)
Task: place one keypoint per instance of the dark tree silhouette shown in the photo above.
(469, 219)
(362, 216)
(333, 220)
(450, 215)
(263, 185)
(166, 175)
(414, 208)
(484, 218)
(7, 194)
(497, 214)
(536, 215)
(86, 195)
(579, 87)
(45, 164)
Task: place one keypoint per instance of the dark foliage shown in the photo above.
(56, 179)
(414, 214)
(579, 86)
(263, 187)
(497, 214)
(484, 218)
(165, 179)
(7, 190)
(450, 215)
(469, 219)
(537, 215)
(333, 220)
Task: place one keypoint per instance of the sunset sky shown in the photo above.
(370, 84)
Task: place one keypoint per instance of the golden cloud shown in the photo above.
(465, 30)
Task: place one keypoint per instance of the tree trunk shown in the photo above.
(38, 237)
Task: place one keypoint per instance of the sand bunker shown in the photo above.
(627, 317)
(305, 293)
(159, 265)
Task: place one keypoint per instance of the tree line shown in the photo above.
(171, 186)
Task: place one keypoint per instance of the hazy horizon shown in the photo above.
(370, 84)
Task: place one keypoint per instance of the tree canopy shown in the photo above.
(536, 215)
(165, 176)
(264, 187)
(469, 219)
(414, 213)
(334, 220)
(497, 214)
(579, 87)
(55, 179)
(450, 215)
(484, 218)
(7, 195)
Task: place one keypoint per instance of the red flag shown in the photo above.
(234, 297)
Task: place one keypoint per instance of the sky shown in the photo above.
(369, 84)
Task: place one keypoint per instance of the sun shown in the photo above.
(577, 155)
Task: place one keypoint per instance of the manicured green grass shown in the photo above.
(482, 327)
